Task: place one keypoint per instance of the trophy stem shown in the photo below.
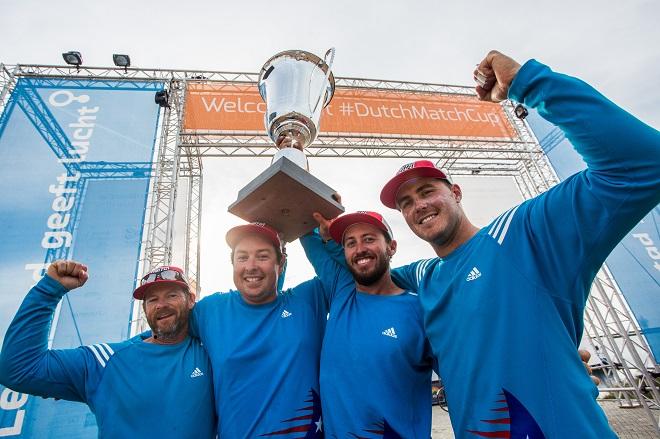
(295, 155)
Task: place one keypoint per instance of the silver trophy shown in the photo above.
(296, 86)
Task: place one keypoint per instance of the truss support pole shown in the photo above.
(158, 248)
(193, 231)
(162, 196)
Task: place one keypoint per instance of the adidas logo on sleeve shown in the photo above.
(286, 314)
(196, 373)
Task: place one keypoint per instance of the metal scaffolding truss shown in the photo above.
(193, 230)
(608, 321)
(7, 84)
(203, 76)
(191, 169)
(162, 196)
(627, 360)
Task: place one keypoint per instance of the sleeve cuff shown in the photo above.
(52, 287)
(523, 80)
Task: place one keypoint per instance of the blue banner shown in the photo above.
(635, 262)
(76, 167)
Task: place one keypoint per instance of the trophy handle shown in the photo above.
(331, 52)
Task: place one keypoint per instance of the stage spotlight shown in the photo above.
(73, 58)
(162, 98)
(121, 61)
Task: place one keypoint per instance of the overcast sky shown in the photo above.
(612, 45)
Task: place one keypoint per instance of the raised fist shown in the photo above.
(494, 76)
(70, 274)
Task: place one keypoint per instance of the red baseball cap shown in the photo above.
(161, 275)
(340, 224)
(235, 234)
(410, 171)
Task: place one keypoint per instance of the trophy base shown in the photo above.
(284, 196)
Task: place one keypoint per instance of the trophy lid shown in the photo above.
(298, 55)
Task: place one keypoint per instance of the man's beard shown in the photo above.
(170, 332)
(373, 276)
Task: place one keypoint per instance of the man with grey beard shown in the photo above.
(134, 387)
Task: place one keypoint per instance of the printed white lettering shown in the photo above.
(14, 430)
(418, 112)
(11, 400)
(651, 249)
(238, 106)
(58, 221)
(56, 101)
(63, 204)
(37, 270)
(56, 239)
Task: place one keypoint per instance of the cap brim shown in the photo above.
(339, 225)
(389, 191)
(141, 290)
(237, 233)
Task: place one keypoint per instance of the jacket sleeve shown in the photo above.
(334, 275)
(26, 363)
(410, 276)
(201, 312)
(574, 226)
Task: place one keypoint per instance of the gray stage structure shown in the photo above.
(631, 368)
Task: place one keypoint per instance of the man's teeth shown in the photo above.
(427, 219)
(362, 261)
(252, 279)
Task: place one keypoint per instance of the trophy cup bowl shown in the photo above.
(296, 86)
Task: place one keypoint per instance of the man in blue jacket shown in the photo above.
(264, 344)
(136, 387)
(503, 305)
(375, 362)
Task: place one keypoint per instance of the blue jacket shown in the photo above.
(504, 311)
(135, 389)
(375, 362)
(265, 361)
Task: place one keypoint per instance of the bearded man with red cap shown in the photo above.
(375, 362)
(135, 387)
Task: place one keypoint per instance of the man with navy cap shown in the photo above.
(154, 385)
(503, 305)
(375, 362)
(264, 344)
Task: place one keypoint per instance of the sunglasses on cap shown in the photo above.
(163, 275)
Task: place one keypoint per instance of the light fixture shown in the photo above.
(162, 98)
(73, 58)
(121, 61)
